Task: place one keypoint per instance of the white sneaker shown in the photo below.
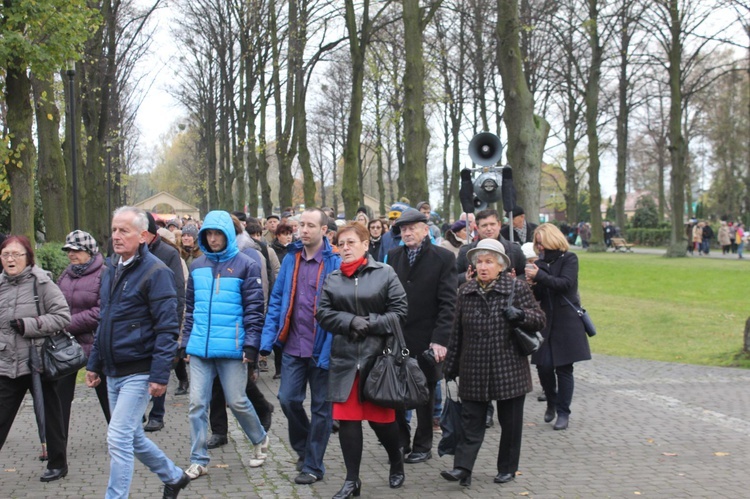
(196, 470)
(259, 453)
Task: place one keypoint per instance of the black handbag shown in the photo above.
(450, 424)
(395, 380)
(61, 353)
(527, 342)
(588, 324)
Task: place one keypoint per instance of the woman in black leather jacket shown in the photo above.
(357, 304)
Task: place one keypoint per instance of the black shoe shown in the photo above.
(562, 422)
(306, 479)
(335, 426)
(460, 475)
(216, 441)
(171, 490)
(153, 425)
(549, 414)
(418, 457)
(349, 489)
(504, 477)
(277, 376)
(54, 474)
(489, 422)
(396, 474)
(542, 398)
(300, 464)
(182, 388)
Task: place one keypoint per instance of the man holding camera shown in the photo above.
(429, 277)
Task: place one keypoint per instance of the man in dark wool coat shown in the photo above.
(428, 274)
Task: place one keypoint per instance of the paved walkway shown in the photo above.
(638, 428)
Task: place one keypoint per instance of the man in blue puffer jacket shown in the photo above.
(223, 322)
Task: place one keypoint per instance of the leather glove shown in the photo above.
(181, 354)
(358, 328)
(514, 315)
(16, 325)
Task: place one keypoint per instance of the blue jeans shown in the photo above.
(128, 398)
(233, 376)
(308, 437)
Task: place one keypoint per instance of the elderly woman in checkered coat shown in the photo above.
(488, 363)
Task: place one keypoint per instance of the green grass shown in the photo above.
(687, 310)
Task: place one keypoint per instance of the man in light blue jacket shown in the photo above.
(223, 322)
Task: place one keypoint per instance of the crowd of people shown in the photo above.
(218, 301)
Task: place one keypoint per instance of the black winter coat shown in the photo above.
(430, 286)
(374, 291)
(171, 258)
(514, 252)
(530, 228)
(565, 340)
(481, 351)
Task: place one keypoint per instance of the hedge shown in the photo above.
(648, 237)
(51, 257)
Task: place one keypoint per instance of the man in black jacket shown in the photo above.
(488, 225)
(171, 258)
(428, 275)
(523, 231)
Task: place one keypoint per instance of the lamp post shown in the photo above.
(71, 72)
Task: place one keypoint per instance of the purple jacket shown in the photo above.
(82, 295)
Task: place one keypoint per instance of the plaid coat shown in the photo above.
(481, 351)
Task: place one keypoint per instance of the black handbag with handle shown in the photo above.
(588, 324)
(395, 380)
(527, 342)
(61, 353)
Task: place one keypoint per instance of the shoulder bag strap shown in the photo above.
(578, 310)
(36, 298)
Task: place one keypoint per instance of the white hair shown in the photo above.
(140, 220)
(479, 253)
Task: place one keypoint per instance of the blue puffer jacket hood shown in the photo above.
(218, 220)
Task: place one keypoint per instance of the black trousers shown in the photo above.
(558, 385)
(218, 408)
(66, 388)
(12, 392)
(510, 417)
(423, 433)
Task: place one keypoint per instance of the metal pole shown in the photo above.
(109, 179)
(71, 72)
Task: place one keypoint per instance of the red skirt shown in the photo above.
(354, 410)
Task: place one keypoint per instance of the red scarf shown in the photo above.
(348, 269)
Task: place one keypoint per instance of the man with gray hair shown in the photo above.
(428, 274)
(134, 347)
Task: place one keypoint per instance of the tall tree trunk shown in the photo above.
(622, 118)
(379, 147)
(265, 187)
(527, 133)
(592, 112)
(357, 49)
(677, 242)
(416, 133)
(20, 168)
(51, 170)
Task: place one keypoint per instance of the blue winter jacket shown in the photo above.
(278, 317)
(138, 326)
(224, 301)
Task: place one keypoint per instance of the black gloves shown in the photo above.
(251, 354)
(514, 315)
(16, 325)
(358, 328)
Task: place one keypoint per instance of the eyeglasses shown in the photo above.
(14, 256)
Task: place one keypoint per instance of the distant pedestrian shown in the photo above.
(724, 241)
(698, 237)
(740, 236)
(708, 234)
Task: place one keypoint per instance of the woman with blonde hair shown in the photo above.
(554, 279)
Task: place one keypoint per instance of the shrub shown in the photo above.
(648, 237)
(50, 257)
(646, 215)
